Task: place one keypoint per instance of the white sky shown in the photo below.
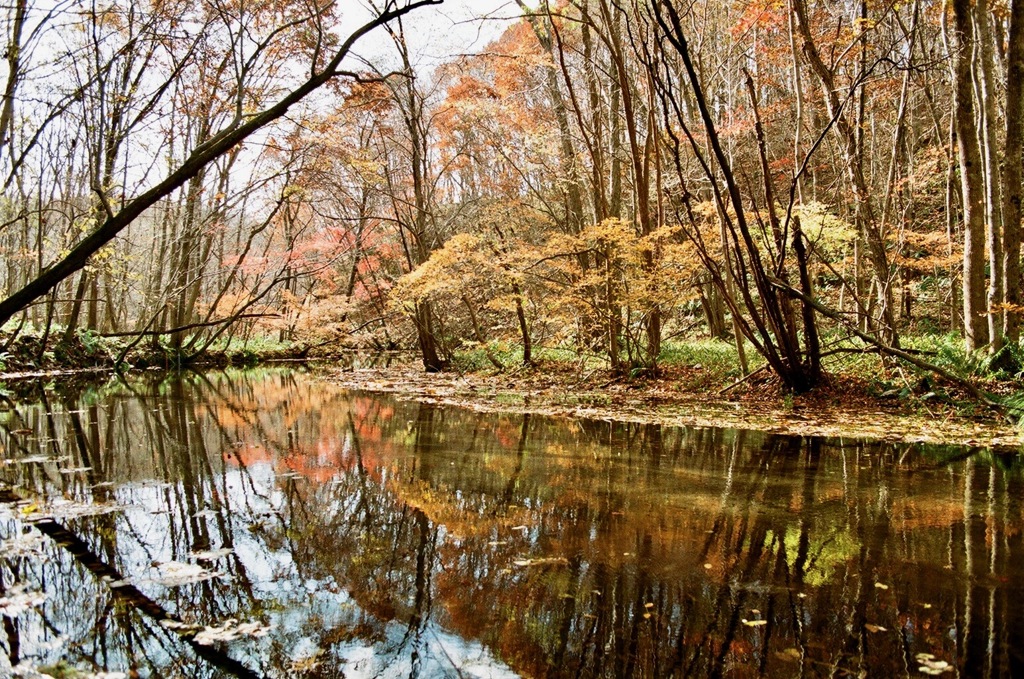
(436, 33)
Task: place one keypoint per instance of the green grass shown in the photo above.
(473, 357)
(718, 357)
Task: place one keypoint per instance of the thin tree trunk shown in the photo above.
(972, 184)
(989, 146)
(851, 137)
(1010, 269)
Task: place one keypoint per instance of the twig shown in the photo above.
(741, 380)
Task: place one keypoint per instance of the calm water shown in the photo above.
(319, 532)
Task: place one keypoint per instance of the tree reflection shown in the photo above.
(403, 539)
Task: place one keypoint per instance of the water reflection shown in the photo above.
(327, 533)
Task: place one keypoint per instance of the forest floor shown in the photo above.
(696, 390)
(843, 407)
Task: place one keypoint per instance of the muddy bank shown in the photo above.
(838, 410)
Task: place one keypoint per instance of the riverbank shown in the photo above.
(698, 388)
(841, 409)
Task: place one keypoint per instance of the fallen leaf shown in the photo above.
(543, 561)
(183, 627)
(753, 623)
(176, 574)
(211, 555)
(31, 544)
(19, 599)
(790, 654)
(874, 628)
(28, 460)
(230, 630)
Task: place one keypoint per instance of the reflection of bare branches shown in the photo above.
(125, 592)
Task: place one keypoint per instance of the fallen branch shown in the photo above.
(742, 380)
(901, 354)
(190, 326)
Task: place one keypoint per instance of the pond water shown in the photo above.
(268, 523)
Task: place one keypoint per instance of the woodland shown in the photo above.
(799, 180)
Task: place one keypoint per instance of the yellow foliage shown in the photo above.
(829, 233)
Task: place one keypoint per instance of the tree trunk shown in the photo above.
(972, 184)
(1012, 168)
(849, 133)
(986, 80)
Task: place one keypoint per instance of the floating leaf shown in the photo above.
(31, 544)
(19, 599)
(544, 561)
(63, 509)
(874, 628)
(230, 630)
(28, 460)
(879, 585)
(182, 627)
(176, 574)
(28, 670)
(931, 666)
(307, 663)
(211, 555)
(753, 623)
